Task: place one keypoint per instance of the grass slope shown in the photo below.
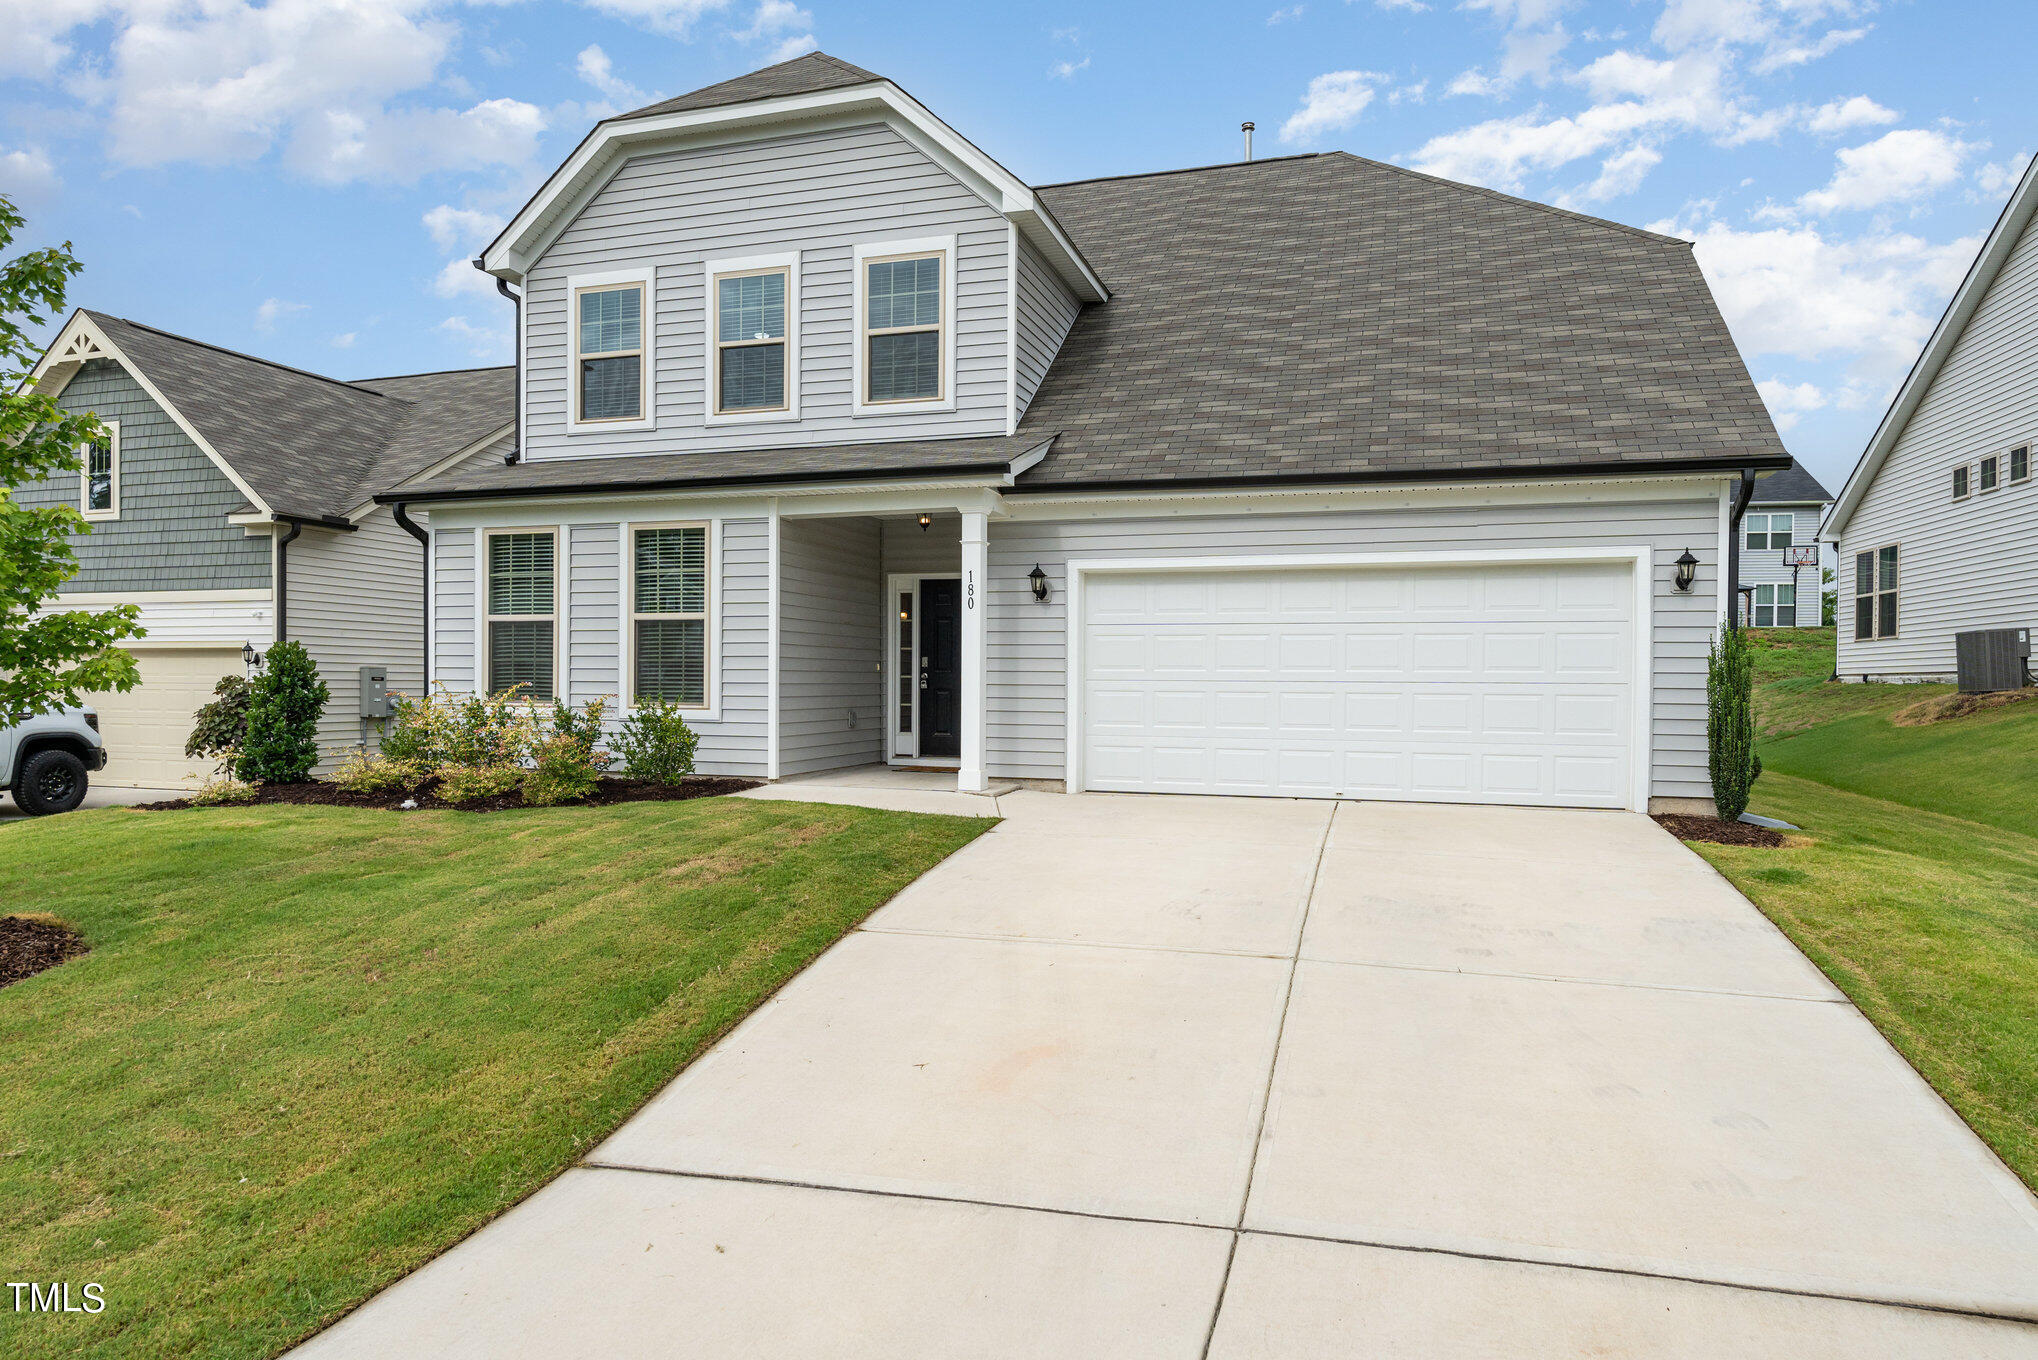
(313, 1047)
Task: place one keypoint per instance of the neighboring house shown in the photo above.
(232, 502)
(1784, 514)
(1304, 477)
(1937, 528)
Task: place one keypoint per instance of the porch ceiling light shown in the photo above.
(1687, 570)
(1039, 580)
(925, 520)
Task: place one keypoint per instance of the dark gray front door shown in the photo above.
(941, 667)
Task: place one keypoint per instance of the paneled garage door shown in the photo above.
(144, 729)
(1451, 684)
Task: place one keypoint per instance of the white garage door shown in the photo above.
(1469, 684)
(144, 729)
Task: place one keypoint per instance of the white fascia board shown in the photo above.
(81, 339)
(823, 498)
(1077, 504)
(1995, 252)
(555, 204)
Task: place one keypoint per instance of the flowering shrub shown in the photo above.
(484, 746)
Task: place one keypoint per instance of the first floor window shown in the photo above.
(1988, 474)
(902, 328)
(1769, 531)
(1875, 594)
(669, 613)
(522, 612)
(750, 342)
(609, 352)
(100, 494)
(1959, 482)
(1776, 606)
(2020, 463)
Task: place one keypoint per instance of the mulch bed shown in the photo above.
(29, 944)
(1718, 832)
(317, 794)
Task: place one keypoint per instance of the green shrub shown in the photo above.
(567, 766)
(221, 727)
(1730, 722)
(283, 715)
(449, 729)
(221, 790)
(365, 771)
(655, 742)
(466, 783)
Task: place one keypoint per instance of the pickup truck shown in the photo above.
(45, 759)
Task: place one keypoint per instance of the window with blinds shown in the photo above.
(669, 613)
(522, 612)
(750, 341)
(609, 347)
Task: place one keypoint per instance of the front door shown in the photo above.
(941, 667)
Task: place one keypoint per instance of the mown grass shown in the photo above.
(313, 1047)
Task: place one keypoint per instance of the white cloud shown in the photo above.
(1332, 103)
(1282, 16)
(1412, 6)
(1066, 70)
(37, 32)
(1530, 45)
(1620, 174)
(674, 18)
(1997, 178)
(271, 310)
(1785, 54)
(1906, 164)
(459, 278)
(594, 67)
(345, 340)
(1844, 115)
(28, 176)
(483, 342)
(1788, 402)
(785, 24)
(459, 228)
(796, 46)
(404, 145)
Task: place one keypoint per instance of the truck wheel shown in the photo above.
(51, 781)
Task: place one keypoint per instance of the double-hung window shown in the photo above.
(905, 293)
(1875, 594)
(2020, 463)
(1990, 468)
(753, 338)
(1960, 482)
(1776, 606)
(99, 478)
(523, 602)
(669, 613)
(609, 353)
(1769, 531)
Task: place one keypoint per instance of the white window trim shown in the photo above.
(645, 278)
(877, 250)
(484, 650)
(1768, 518)
(712, 270)
(1875, 633)
(1773, 587)
(626, 610)
(2008, 464)
(1967, 485)
(112, 512)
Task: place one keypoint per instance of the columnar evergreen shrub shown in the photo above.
(655, 742)
(1730, 722)
(283, 714)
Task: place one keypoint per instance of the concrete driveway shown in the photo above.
(1184, 1077)
(96, 796)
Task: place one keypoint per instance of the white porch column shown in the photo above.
(975, 609)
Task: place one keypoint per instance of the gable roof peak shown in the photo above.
(801, 75)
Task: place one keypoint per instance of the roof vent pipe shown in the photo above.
(1247, 129)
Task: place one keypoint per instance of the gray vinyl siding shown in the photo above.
(594, 613)
(1046, 311)
(172, 532)
(1962, 564)
(453, 610)
(820, 193)
(356, 600)
(1026, 729)
(1766, 566)
(933, 551)
(831, 645)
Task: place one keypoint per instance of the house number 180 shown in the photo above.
(969, 590)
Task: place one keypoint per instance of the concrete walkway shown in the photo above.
(1180, 1077)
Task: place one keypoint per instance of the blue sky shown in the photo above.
(306, 178)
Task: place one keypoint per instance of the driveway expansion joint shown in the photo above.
(1841, 1000)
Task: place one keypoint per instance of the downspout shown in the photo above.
(516, 450)
(1741, 499)
(283, 578)
(400, 512)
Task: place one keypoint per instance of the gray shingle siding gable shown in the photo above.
(172, 532)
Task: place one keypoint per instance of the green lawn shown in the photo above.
(1916, 889)
(313, 1047)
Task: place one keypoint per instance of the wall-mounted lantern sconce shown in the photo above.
(1687, 570)
(925, 520)
(250, 658)
(1039, 580)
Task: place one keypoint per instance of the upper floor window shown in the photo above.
(1770, 530)
(2020, 463)
(753, 339)
(99, 478)
(1776, 606)
(611, 350)
(1989, 467)
(1875, 594)
(669, 614)
(905, 341)
(1959, 482)
(523, 605)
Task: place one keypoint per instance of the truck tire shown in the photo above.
(51, 781)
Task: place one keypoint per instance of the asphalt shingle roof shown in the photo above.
(1332, 316)
(802, 75)
(1793, 484)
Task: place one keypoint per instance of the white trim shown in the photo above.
(1641, 561)
(788, 261)
(976, 608)
(899, 583)
(771, 603)
(112, 511)
(644, 277)
(431, 604)
(710, 709)
(1011, 328)
(625, 561)
(1078, 504)
(944, 246)
(484, 681)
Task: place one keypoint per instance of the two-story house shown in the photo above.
(1781, 557)
(1307, 476)
(232, 501)
(1937, 528)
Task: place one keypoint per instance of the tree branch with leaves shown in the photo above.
(49, 659)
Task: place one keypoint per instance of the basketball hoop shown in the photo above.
(1807, 556)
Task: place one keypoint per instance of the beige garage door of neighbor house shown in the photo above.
(144, 729)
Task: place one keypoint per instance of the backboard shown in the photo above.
(1806, 556)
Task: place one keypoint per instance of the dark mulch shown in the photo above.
(29, 944)
(1718, 832)
(317, 794)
